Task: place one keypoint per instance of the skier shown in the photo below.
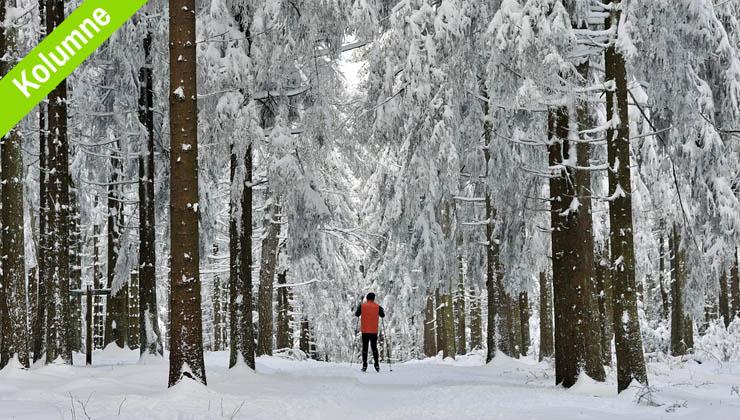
(369, 311)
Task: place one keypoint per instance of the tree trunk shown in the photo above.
(735, 287)
(724, 307)
(630, 358)
(38, 327)
(678, 344)
(507, 329)
(524, 322)
(604, 294)
(546, 335)
(566, 268)
(460, 311)
(577, 343)
(476, 321)
(268, 263)
(241, 328)
(430, 340)
(449, 327)
(186, 332)
(492, 246)
(13, 315)
(587, 312)
(134, 338)
(283, 336)
(217, 320)
(439, 320)
(115, 309)
(688, 333)
(98, 319)
(58, 302)
(305, 341)
(13, 276)
(661, 275)
(150, 337)
(75, 255)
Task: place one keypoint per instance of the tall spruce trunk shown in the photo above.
(430, 340)
(38, 326)
(547, 348)
(665, 302)
(115, 309)
(13, 335)
(186, 331)
(58, 299)
(150, 336)
(241, 327)
(566, 267)
(283, 337)
(604, 301)
(678, 344)
(724, 307)
(735, 286)
(476, 321)
(524, 322)
(13, 312)
(449, 327)
(461, 345)
(587, 312)
(75, 255)
(630, 358)
(492, 247)
(439, 320)
(98, 318)
(268, 263)
(304, 343)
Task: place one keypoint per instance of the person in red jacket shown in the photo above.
(370, 312)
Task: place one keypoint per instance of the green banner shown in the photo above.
(58, 55)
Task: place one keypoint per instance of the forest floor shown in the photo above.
(117, 386)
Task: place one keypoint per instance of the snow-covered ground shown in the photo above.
(118, 387)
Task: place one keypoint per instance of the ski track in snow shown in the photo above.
(428, 389)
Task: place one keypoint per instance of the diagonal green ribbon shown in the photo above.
(58, 55)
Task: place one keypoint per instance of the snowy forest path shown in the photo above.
(118, 386)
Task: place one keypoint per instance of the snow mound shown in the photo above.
(588, 386)
(14, 368)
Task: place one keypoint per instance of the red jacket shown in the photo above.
(370, 312)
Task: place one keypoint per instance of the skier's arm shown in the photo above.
(358, 312)
(381, 312)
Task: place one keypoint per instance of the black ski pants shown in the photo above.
(372, 339)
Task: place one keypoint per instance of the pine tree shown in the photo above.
(476, 321)
(547, 348)
(283, 336)
(58, 299)
(186, 330)
(38, 327)
(13, 314)
(241, 328)
(268, 263)
(75, 258)
(724, 307)
(735, 286)
(678, 343)
(460, 311)
(430, 339)
(150, 336)
(630, 359)
(524, 322)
